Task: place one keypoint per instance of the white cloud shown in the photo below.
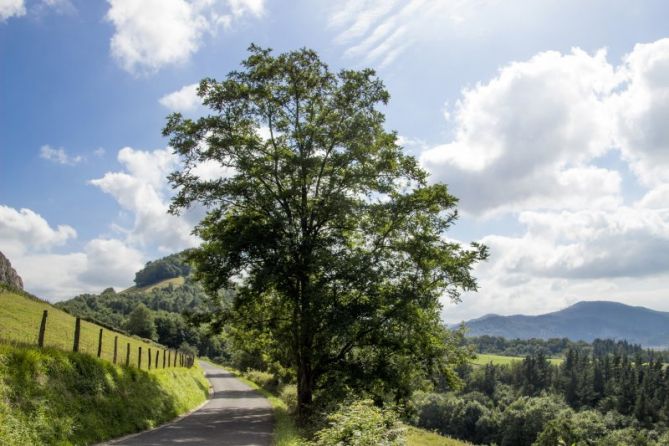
(642, 111)
(110, 262)
(103, 263)
(379, 31)
(28, 240)
(525, 137)
(152, 34)
(567, 256)
(11, 8)
(24, 230)
(58, 155)
(183, 100)
(530, 144)
(142, 189)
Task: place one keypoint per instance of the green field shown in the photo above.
(421, 437)
(20, 317)
(483, 359)
(175, 282)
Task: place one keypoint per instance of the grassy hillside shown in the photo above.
(52, 397)
(20, 317)
(421, 437)
(483, 359)
(174, 281)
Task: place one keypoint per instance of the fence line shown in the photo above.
(84, 345)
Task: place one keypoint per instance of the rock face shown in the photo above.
(8, 275)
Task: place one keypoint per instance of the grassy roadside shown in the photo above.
(52, 397)
(286, 432)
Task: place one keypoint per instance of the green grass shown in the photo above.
(175, 282)
(286, 432)
(52, 397)
(484, 359)
(421, 437)
(20, 317)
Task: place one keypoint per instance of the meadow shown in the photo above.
(21, 315)
(484, 359)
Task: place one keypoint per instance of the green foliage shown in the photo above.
(361, 424)
(50, 397)
(333, 235)
(161, 269)
(167, 305)
(450, 415)
(140, 322)
(265, 380)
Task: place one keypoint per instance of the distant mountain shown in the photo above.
(582, 321)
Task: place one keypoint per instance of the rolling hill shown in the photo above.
(582, 321)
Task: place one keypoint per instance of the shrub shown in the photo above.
(361, 424)
(288, 395)
(526, 417)
(265, 380)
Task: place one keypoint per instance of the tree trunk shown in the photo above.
(305, 387)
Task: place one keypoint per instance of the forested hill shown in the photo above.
(154, 307)
(582, 321)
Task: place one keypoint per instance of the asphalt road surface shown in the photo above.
(235, 415)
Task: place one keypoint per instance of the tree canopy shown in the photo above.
(330, 235)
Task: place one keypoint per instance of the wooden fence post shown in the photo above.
(163, 358)
(169, 358)
(115, 347)
(42, 329)
(100, 344)
(157, 353)
(149, 358)
(139, 359)
(77, 333)
(127, 356)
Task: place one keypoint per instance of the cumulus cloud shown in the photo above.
(30, 242)
(642, 111)
(152, 34)
(22, 230)
(530, 144)
(183, 100)
(11, 8)
(525, 137)
(58, 156)
(142, 189)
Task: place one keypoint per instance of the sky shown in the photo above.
(549, 120)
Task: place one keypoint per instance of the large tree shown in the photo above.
(331, 236)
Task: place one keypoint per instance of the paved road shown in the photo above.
(235, 415)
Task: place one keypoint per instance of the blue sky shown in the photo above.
(547, 119)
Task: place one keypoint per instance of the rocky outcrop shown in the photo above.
(8, 275)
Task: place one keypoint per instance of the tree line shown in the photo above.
(594, 397)
(558, 347)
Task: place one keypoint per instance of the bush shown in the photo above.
(526, 417)
(569, 427)
(288, 395)
(465, 417)
(361, 424)
(265, 380)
